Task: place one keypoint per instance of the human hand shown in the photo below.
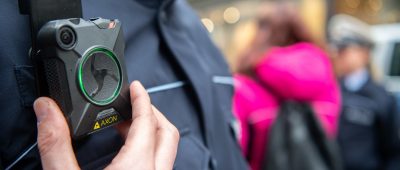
(151, 141)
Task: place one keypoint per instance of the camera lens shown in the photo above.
(66, 38)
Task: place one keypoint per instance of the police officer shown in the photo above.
(167, 50)
(368, 130)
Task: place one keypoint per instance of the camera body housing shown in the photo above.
(80, 64)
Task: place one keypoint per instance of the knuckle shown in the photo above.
(47, 140)
(174, 132)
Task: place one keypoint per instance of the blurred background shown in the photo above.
(239, 27)
(232, 25)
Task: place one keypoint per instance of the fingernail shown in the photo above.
(42, 108)
(137, 83)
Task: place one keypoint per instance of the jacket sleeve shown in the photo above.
(1, 164)
(390, 126)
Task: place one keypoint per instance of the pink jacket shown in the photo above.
(299, 72)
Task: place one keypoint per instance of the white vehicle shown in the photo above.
(386, 55)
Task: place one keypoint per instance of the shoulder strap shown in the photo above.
(42, 11)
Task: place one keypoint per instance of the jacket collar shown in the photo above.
(184, 52)
(356, 80)
(154, 4)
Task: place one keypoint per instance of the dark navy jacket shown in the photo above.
(369, 129)
(167, 49)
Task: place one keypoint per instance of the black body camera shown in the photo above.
(80, 64)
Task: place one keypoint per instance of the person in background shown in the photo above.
(368, 134)
(281, 64)
(278, 25)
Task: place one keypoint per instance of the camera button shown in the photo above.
(103, 23)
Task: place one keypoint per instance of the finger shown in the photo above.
(167, 144)
(141, 137)
(144, 123)
(54, 140)
(140, 106)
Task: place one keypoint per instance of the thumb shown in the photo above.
(54, 140)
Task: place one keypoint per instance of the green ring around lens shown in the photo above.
(85, 57)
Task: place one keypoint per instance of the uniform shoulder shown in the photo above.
(379, 93)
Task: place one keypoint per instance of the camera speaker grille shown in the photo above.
(57, 82)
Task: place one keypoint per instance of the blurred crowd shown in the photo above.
(284, 65)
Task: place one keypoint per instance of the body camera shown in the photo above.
(80, 64)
